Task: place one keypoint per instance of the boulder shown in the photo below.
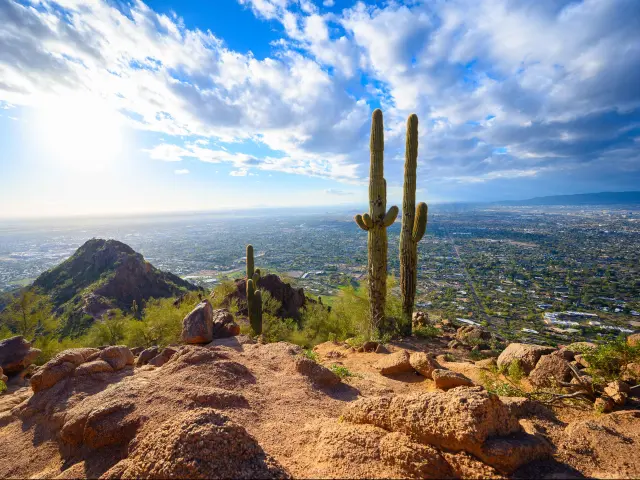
(381, 349)
(565, 353)
(446, 379)
(461, 419)
(318, 374)
(118, 356)
(550, 371)
(472, 335)
(527, 354)
(110, 424)
(197, 444)
(224, 325)
(16, 354)
(96, 366)
(60, 367)
(197, 326)
(581, 361)
(631, 372)
(146, 355)
(618, 391)
(423, 363)
(633, 340)
(137, 351)
(604, 404)
(163, 357)
(417, 460)
(397, 362)
(507, 454)
(50, 374)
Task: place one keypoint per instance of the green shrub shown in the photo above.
(427, 331)
(494, 384)
(606, 360)
(310, 354)
(3, 387)
(515, 371)
(220, 293)
(475, 355)
(341, 371)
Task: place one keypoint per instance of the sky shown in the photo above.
(129, 107)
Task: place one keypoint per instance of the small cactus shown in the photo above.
(375, 223)
(254, 297)
(414, 224)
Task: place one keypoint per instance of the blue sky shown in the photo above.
(123, 106)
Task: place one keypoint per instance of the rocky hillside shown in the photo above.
(101, 275)
(233, 408)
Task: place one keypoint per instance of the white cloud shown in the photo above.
(239, 173)
(182, 171)
(542, 82)
(335, 191)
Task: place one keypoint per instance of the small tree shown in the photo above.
(28, 314)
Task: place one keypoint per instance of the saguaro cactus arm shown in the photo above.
(361, 223)
(420, 222)
(250, 264)
(390, 217)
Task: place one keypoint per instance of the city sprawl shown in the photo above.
(540, 274)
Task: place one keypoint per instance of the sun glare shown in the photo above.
(80, 134)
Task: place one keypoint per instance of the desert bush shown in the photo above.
(220, 293)
(310, 354)
(341, 371)
(3, 387)
(160, 322)
(110, 330)
(515, 371)
(427, 331)
(606, 360)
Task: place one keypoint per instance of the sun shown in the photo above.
(80, 133)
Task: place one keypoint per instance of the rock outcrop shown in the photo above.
(318, 374)
(61, 366)
(197, 326)
(397, 362)
(198, 444)
(527, 354)
(462, 419)
(224, 325)
(550, 371)
(292, 299)
(446, 379)
(16, 354)
(423, 363)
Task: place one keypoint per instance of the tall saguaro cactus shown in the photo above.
(414, 224)
(376, 223)
(254, 297)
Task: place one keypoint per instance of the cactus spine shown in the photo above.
(254, 297)
(414, 224)
(375, 223)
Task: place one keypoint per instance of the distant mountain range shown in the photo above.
(602, 198)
